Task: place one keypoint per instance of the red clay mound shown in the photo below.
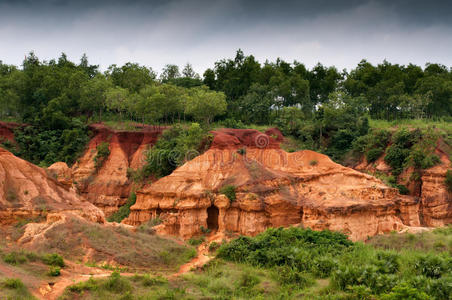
(109, 186)
(7, 131)
(236, 138)
(27, 190)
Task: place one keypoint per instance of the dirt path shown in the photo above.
(203, 255)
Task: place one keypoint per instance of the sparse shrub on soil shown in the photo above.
(14, 289)
(448, 180)
(229, 191)
(125, 247)
(124, 211)
(103, 151)
(54, 271)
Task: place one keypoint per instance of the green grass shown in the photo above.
(14, 289)
(411, 123)
(302, 264)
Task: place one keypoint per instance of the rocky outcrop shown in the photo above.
(272, 188)
(108, 186)
(27, 191)
(435, 207)
(436, 199)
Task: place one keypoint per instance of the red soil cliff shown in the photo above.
(435, 199)
(27, 191)
(108, 187)
(273, 188)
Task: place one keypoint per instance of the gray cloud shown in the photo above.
(154, 33)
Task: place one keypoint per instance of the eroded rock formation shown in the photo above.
(27, 191)
(435, 207)
(108, 186)
(272, 188)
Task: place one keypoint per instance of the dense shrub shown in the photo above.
(46, 146)
(294, 247)
(229, 191)
(288, 275)
(124, 211)
(396, 157)
(176, 146)
(373, 154)
(54, 271)
(432, 266)
(388, 262)
(117, 284)
(323, 266)
(53, 260)
(14, 258)
(448, 180)
(404, 291)
(103, 151)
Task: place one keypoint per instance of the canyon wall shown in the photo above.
(428, 185)
(27, 191)
(108, 186)
(272, 188)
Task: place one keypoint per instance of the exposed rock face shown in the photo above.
(273, 188)
(435, 207)
(436, 200)
(28, 191)
(61, 172)
(108, 187)
(7, 131)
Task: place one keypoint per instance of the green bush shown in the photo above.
(351, 275)
(124, 211)
(174, 147)
(89, 285)
(287, 276)
(196, 241)
(45, 146)
(323, 266)
(373, 154)
(403, 291)
(247, 280)
(12, 284)
(54, 271)
(388, 262)
(279, 247)
(53, 259)
(117, 284)
(448, 180)
(402, 189)
(14, 258)
(103, 151)
(229, 191)
(432, 266)
(396, 157)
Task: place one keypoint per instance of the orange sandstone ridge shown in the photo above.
(27, 191)
(109, 187)
(273, 188)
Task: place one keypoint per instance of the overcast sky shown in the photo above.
(154, 33)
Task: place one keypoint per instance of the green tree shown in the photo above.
(116, 99)
(204, 105)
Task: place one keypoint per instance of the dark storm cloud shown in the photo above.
(339, 32)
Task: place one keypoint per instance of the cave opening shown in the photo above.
(212, 218)
(158, 211)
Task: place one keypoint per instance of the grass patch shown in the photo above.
(13, 288)
(124, 211)
(136, 250)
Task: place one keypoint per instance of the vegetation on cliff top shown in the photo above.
(323, 108)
